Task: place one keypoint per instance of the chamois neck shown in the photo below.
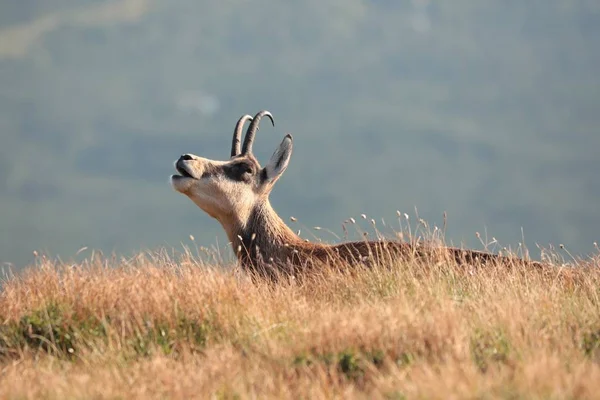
(263, 237)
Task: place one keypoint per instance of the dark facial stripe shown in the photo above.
(240, 171)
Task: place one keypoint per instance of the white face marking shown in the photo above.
(208, 184)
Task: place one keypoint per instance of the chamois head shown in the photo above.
(230, 190)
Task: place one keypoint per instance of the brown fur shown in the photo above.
(267, 246)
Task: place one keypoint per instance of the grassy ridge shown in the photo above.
(156, 327)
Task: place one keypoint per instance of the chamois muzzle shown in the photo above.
(182, 167)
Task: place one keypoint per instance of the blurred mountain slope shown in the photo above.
(488, 111)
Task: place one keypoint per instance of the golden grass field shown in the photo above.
(164, 326)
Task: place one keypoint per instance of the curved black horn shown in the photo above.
(251, 132)
(237, 134)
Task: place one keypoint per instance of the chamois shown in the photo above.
(236, 193)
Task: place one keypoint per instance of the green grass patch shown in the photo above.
(590, 344)
(55, 330)
(350, 362)
(50, 329)
(489, 348)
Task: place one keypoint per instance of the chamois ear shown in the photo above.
(279, 161)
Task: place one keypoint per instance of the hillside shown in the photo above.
(486, 111)
(163, 326)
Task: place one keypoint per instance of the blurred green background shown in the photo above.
(488, 110)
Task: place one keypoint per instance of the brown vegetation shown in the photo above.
(160, 326)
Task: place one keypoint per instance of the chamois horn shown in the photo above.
(251, 132)
(237, 134)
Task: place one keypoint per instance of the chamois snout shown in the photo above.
(190, 166)
(190, 169)
(185, 166)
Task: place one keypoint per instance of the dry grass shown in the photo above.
(156, 327)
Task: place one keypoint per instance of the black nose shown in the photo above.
(185, 157)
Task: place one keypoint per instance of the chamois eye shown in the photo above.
(244, 168)
(240, 172)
